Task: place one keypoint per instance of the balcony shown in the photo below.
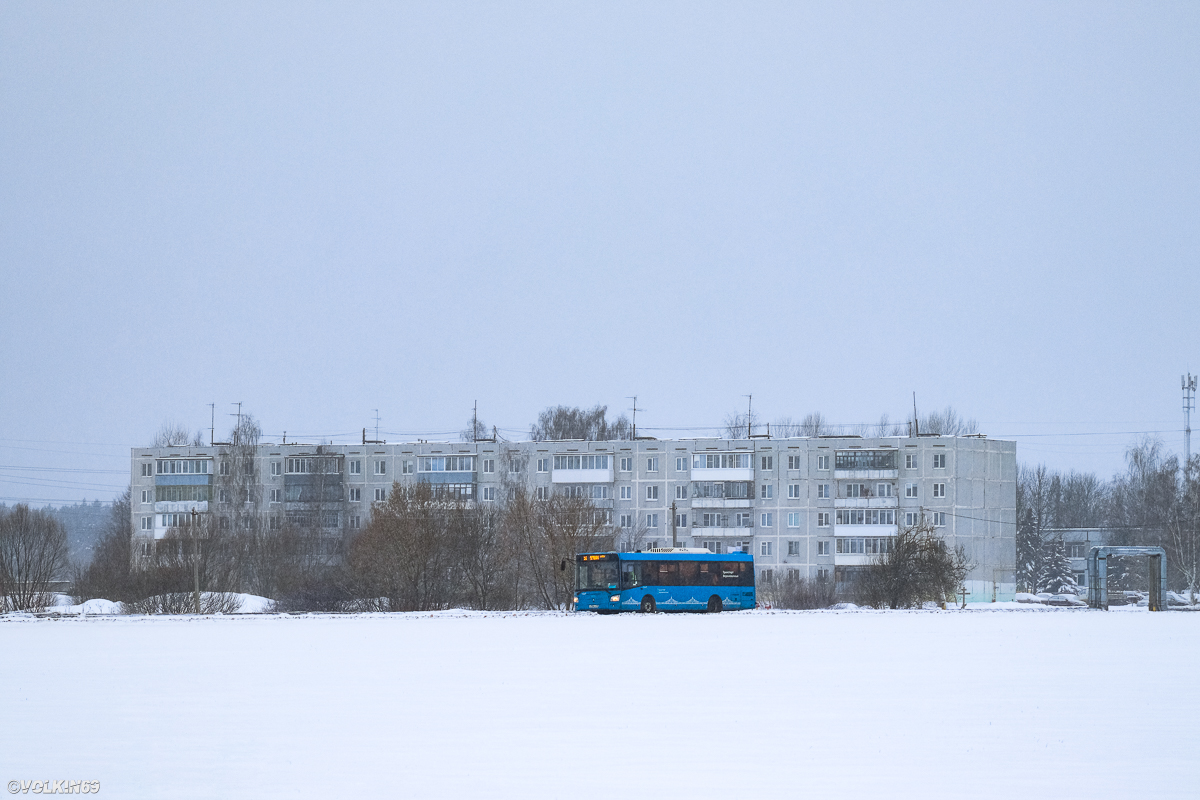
(720, 502)
(720, 533)
(865, 531)
(727, 474)
(178, 507)
(855, 560)
(866, 474)
(582, 476)
(866, 502)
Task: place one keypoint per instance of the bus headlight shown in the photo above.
(575, 599)
(616, 598)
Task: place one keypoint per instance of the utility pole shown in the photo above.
(674, 519)
(195, 561)
(1189, 405)
(634, 410)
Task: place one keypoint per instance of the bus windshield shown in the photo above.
(591, 576)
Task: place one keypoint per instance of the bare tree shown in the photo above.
(559, 423)
(1184, 527)
(946, 422)
(172, 434)
(475, 431)
(562, 527)
(405, 555)
(108, 575)
(797, 593)
(33, 554)
(740, 426)
(814, 425)
(918, 568)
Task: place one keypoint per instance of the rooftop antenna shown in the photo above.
(377, 424)
(749, 410)
(237, 432)
(212, 430)
(1188, 383)
(475, 423)
(916, 425)
(634, 410)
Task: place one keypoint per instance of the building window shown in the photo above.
(766, 491)
(627, 520)
(939, 490)
(652, 520)
(223, 495)
(823, 574)
(883, 490)
(147, 470)
(627, 464)
(822, 491)
(793, 548)
(514, 464)
(768, 463)
(543, 465)
(488, 493)
(1076, 550)
(651, 492)
(681, 492)
(355, 495)
(626, 492)
(380, 495)
(765, 549)
(406, 468)
(277, 495)
(355, 522)
(793, 491)
(380, 467)
(146, 495)
(681, 520)
(793, 462)
(864, 516)
(224, 467)
(939, 461)
(355, 467)
(681, 463)
(652, 464)
(822, 519)
(823, 462)
(910, 490)
(793, 519)
(910, 519)
(766, 519)
(939, 519)
(543, 493)
(910, 461)
(822, 548)
(147, 523)
(489, 465)
(276, 468)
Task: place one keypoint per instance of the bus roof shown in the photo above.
(694, 555)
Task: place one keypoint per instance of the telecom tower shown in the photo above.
(1189, 405)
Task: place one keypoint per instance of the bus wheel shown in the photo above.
(648, 605)
(714, 605)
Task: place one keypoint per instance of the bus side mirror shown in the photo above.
(563, 566)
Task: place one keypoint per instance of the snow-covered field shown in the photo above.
(975, 704)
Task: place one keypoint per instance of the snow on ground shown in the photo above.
(848, 704)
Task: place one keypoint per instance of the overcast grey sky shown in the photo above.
(320, 210)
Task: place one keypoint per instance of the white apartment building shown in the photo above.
(805, 507)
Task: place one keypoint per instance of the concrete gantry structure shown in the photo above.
(805, 507)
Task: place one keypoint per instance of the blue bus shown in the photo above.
(668, 579)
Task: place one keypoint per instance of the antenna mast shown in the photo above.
(749, 410)
(634, 410)
(212, 430)
(1188, 383)
(377, 424)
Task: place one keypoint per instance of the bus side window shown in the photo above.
(631, 575)
(688, 573)
(668, 573)
(649, 573)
